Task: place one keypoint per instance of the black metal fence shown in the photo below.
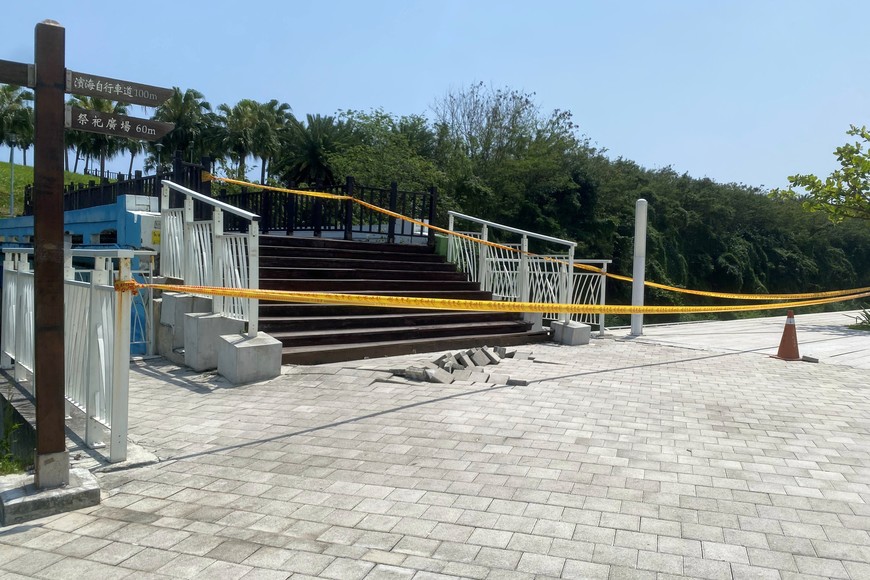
(105, 192)
(280, 212)
(289, 213)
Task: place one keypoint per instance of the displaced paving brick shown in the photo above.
(517, 382)
(478, 357)
(437, 375)
(465, 360)
(493, 357)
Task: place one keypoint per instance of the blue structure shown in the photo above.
(132, 222)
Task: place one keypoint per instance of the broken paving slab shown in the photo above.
(479, 358)
(438, 375)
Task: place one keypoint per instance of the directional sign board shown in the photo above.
(117, 125)
(116, 90)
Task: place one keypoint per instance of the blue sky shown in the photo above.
(746, 91)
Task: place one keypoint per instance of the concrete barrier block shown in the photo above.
(201, 334)
(536, 319)
(576, 333)
(242, 359)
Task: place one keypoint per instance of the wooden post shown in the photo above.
(52, 458)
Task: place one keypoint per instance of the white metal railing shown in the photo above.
(512, 274)
(96, 339)
(200, 254)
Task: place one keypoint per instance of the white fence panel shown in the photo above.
(511, 274)
(96, 342)
(212, 258)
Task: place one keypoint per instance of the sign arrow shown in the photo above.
(116, 90)
(116, 125)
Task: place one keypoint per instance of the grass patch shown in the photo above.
(8, 462)
(24, 177)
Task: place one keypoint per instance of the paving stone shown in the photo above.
(629, 463)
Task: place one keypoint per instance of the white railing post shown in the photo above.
(639, 270)
(450, 240)
(524, 285)
(95, 371)
(188, 261)
(7, 341)
(482, 255)
(24, 314)
(253, 277)
(217, 256)
(121, 368)
(603, 298)
(165, 242)
(568, 284)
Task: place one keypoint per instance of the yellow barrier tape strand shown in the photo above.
(706, 293)
(468, 305)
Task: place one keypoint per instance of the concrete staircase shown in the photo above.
(324, 333)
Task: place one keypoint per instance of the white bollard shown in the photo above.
(639, 265)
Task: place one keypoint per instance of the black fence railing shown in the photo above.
(105, 192)
(279, 212)
(290, 213)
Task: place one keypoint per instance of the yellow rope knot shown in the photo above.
(127, 286)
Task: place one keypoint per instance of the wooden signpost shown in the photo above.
(50, 80)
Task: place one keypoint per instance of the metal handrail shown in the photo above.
(513, 230)
(213, 202)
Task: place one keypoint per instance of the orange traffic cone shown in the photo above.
(788, 346)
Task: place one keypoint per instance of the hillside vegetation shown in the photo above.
(23, 178)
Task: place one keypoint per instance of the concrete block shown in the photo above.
(443, 360)
(521, 355)
(570, 333)
(21, 501)
(201, 335)
(175, 306)
(462, 375)
(493, 357)
(437, 375)
(479, 377)
(185, 305)
(557, 328)
(501, 351)
(465, 360)
(536, 319)
(498, 379)
(167, 312)
(479, 358)
(242, 359)
(52, 470)
(576, 333)
(458, 363)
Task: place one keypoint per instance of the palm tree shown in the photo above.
(193, 117)
(239, 126)
(95, 144)
(272, 118)
(16, 117)
(306, 149)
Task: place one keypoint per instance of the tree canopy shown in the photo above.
(843, 194)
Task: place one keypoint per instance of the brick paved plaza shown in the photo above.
(620, 459)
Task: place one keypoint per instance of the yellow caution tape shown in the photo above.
(706, 293)
(467, 305)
